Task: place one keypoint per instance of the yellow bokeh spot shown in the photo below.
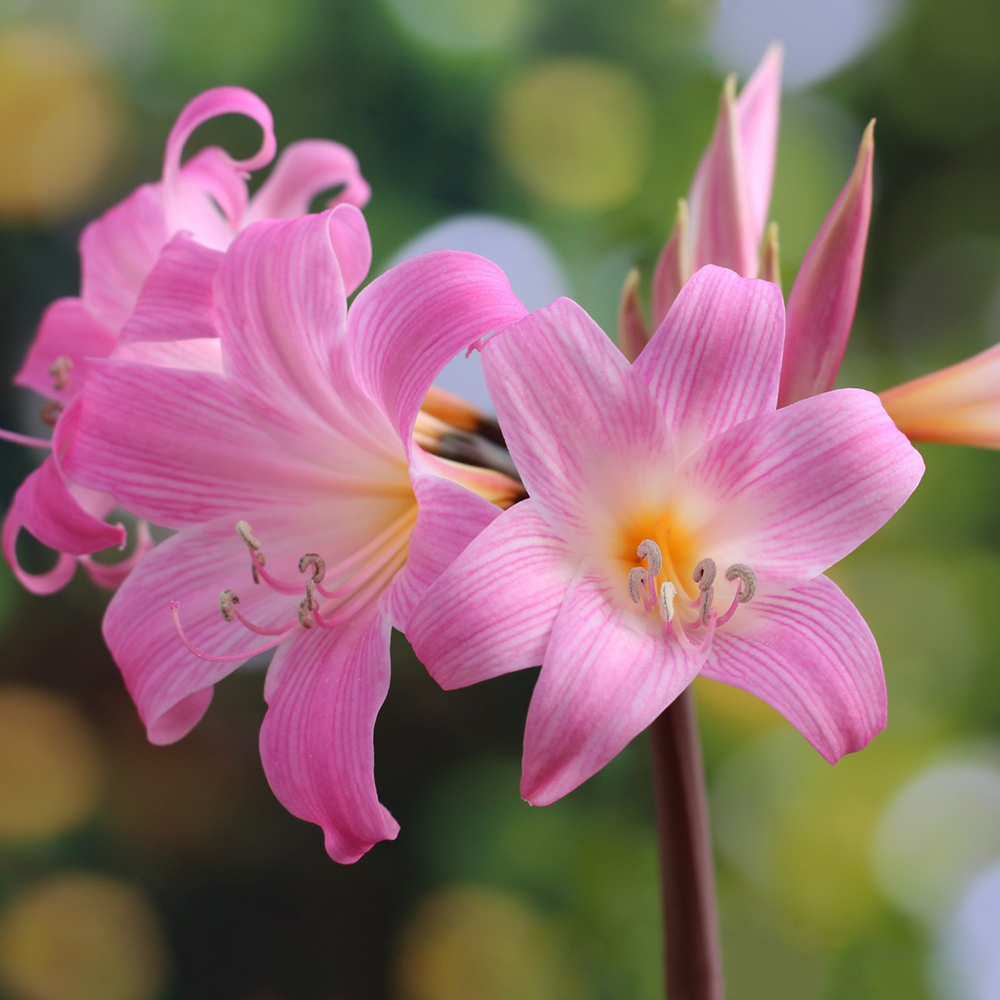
(60, 119)
(81, 936)
(50, 765)
(576, 133)
(735, 707)
(472, 941)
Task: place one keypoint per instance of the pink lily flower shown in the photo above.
(308, 517)
(722, 222)
(204, 199)
(677, 524)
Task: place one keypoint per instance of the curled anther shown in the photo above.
(668, 593)
(314, 564)
(747, 578)
(704, 574)
(228, 599)
(305, 614)
(246, 533)
(650, 551)
(638, 580)
(50, 412)
(311, 603)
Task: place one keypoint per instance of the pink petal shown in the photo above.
(721, 227)
(67, 330)
(790, 493)
(281, 307)
(174, 447)
(580, 423)
(324, 691)
(117, 252)
(352, 245)
(449, 517)
(112, 575)
(411, 321)
(757, 110)
(177, 299)
(170, 685)
(715, 360)
(36, 583)
(958, 405)
(809, 653)
(607, 675)
(825, 294)
(672, 267)
(47, 508)
(211, 104)
(303, 171)
(491, 612)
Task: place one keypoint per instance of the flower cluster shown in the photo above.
(667, 518)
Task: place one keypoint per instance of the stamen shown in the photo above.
(50, 412)
(315, 564)
(59, 370)
(26, 440)
(650, 551)
(231, 657)
(704, 574)
(748, 581)
(668, 592)
(227, 600)
(638, 583)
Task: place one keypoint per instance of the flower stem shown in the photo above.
(690, 923)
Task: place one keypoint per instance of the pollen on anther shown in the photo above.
(305, 616)
(315, 564)
(227, 599)
(637, 582)
(668, 592)
(704, 574)
(246, 533)
(747, 578)
(650, 551)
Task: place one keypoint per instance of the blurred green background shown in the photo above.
(567, 130)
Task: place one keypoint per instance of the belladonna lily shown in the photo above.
(677, 524)
(308, 520)
(195, 209)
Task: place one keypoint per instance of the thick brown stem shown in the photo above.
(691, 935)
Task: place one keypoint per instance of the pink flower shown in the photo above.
(677, 524)
(722, 222)
(308, 521)
(200, 205)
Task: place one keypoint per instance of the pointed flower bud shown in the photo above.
(825, 294)
(633, 333)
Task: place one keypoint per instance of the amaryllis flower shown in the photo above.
(677, 524)
(199, 205)
(723, 220)
(308, 520)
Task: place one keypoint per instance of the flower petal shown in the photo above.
(714, 362)
(411, 321)
(491, 612)
(959, 404)
(672, 267)
(174, 447)
(721, 228)
(757, 110)
(825, 294)
(791, 492)
(606, 677)
(67, 330)
(809, 653)
(177, 299)
(324, 691)
(36, 583)
(633, 333)
(303, 171)
(583, 430)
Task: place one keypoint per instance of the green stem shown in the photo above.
(690, 923)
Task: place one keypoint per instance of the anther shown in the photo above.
(50, 412)
(305, 613)
(650, 551)
(638, 583)
(59, 370)
(748, 581)
(704, 574)
(668, 592)
(315, 564)
(246, 533)
(227, 600)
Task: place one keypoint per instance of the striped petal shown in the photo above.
(491, 612)
(607, 676)
(810, 655)
(792, 492)
(323, 693)
(715, 360)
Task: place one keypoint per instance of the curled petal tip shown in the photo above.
(633, 332)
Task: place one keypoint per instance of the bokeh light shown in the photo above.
(576, 133)
(967, 961)
(60, 120)
(50, 764)
(463, 25)
(82, 937)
